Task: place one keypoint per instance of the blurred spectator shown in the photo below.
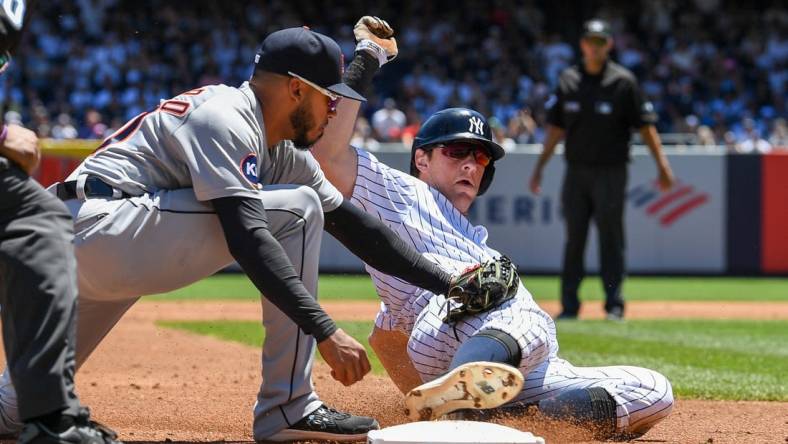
(500, 135)
(750, 141)
(41, 123)
(362, 136)
(12, 118)
(93, 127)
(706, 136)
(63, 129)
(388, 121)
(779, 136)
(120, 57)
(523, 128)
(729, 140)
(754, 143)
(409, 132)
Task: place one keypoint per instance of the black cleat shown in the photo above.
(84, 431)
(328, 424)
(615, 314)
(566, 316)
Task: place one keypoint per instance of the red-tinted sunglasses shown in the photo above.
(333, 103)
(461, 150)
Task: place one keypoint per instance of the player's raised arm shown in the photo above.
(375, 46)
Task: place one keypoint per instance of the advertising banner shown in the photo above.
(679, 231)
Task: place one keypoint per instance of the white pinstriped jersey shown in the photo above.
(422, 215)
(425, 217)
(430, 222)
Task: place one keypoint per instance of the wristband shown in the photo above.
(374, 49)
(3, 134)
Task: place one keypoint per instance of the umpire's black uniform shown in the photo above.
(38, 293)
(38, 288)
(597, 113)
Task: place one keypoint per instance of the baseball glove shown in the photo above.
(482, 288)
(379, 32)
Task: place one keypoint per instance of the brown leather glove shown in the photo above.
(380, 34)
(482, 288)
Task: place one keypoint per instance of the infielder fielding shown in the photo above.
(38, 290)
(452, 162)
(179, 192)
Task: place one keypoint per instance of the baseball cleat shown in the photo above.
(475, 385)
(615, 314)
(327, 424)
(82, 431)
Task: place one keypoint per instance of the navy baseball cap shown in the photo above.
(308, 54)
(597, 28)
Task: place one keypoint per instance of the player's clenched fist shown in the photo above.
(21, 147)
(379, 32)
(346, 357)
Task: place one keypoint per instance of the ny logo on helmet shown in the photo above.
(477, 125)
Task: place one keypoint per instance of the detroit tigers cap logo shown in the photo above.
(249, 168)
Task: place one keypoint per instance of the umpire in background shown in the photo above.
(38, 286)
(595, 107)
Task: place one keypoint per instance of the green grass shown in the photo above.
(360, 288)
(707, 359)
(736, 360)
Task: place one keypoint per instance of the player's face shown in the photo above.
(310, 118)
(595, 49)
(303, 122)
(456, 170)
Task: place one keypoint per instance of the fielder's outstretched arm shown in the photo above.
(264, 260)
(382, 249)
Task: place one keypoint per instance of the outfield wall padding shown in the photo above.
(728, 213)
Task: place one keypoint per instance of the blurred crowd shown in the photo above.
(716, 71)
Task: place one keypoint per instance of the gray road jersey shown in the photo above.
(285, 164)
(211, 139)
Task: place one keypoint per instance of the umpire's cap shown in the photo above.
(457, 124)
(12, 21)
(307, 54)
(597, 28)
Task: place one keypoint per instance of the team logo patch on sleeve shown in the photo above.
(249, 168)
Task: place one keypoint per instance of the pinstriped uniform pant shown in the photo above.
(643, 397)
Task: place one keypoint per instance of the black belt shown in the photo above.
(94, 187)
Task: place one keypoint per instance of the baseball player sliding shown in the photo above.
(214, 175)
(430, 340)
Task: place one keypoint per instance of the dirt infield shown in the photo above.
(154, 384)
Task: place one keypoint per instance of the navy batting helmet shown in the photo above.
(457, 124)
